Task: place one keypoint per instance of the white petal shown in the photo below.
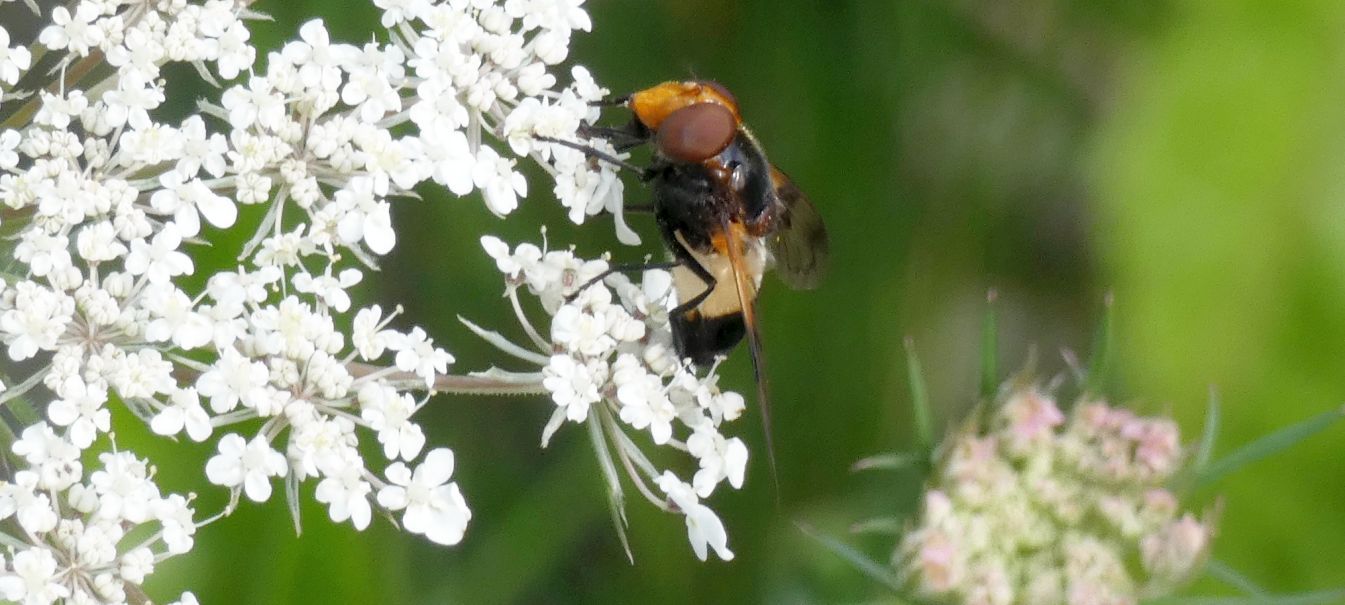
(218, 210)
(704, 527)
(495, 247)
(735, 462)
(378, 232)
(62, 412)
(392, 497)
(351, 228)
(224, 471)
(437, 467)
(195, 332)
(257, 486)
(360, 513)
(168, 422)
(398, 474)
(187, 220)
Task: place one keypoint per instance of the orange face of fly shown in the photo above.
(653, 105)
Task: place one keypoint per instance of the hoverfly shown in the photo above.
(724, 212)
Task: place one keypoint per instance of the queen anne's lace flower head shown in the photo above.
(270, 359)
(609, 363)
(1033, 505)
(86, 536)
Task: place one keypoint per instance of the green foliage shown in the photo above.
(923, 418)
(1099, 363)
(1185, 155)
(882, 574)
(989, 348)
(1269, 445)
(1219, 200)
(1202, 473)
(1210, 433)
(1324, 597)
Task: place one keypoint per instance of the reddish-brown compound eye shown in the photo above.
(696, 133)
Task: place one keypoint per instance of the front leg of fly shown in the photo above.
(623, 139)
(621, 268)
(685, 258)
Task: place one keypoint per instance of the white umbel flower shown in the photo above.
(347, 496)
(34, 579)
(704, 529)
(246, 464)
(608, 364)
(433, 505)
(273, 362)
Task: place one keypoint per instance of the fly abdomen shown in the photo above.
(701, 338)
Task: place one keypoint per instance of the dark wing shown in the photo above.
(800, 244)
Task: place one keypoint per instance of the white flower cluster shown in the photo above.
(102, 305)
(1031, 508)
(609, 362)
(85, 540)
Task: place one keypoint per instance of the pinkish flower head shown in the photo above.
(1033, 506)
(1028, 419)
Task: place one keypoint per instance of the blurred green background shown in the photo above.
(1187, 156)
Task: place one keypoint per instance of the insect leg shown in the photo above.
(591, 151)
(620, 138)
(621, 268)
(686, 259)
(644, 173)
(610, 101)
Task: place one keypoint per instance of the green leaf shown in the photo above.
(874, 570)
(887, 462)
(1222, 572)
(1211, 431)
(990, 347)
(886, 526)
(1264, 447)
(1099, 362)
(924, 423)
(1307, 598)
